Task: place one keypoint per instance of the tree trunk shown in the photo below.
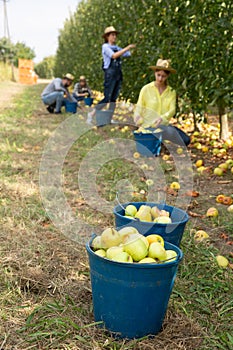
(223, 120)
(224, 130)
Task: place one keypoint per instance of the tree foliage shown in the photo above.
(196, 35)
(10, 52)
(45, 68)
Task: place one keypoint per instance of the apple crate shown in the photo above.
(130, 299)
(171, 233)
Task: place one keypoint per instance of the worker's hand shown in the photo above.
(157, 123)
(138, 120)
(131, 46)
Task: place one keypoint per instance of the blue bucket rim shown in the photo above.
(136, 264)
(186, 216)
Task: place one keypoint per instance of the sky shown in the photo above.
(36, 23)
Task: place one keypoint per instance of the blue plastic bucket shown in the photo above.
(103, 117)
(129, 298)
(148, 145)
(172, 233)
(71, 107)
(88, 101)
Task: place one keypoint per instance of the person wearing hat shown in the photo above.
(81, 89)
(157, 105)
(56, 92)
(112, 55)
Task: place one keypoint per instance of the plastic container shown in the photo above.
(148, 145)
(88, 101)
(103, 117)
(130, 298)
(172, 233)
(71, 107)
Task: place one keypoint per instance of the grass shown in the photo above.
(45, 291)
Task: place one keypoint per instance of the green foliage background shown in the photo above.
(196, 35)
(10, 53)
(45, 68)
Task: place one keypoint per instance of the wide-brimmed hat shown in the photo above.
(82, 77)
(163, 65)
(68, 76)
(109, 30)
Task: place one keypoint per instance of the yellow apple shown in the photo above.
(199, 163)
(112, 251)
(201, 235)
(222, 261)
(123, 257)
(163, 220)
(175, 185)
(218, 172)
(147, 261)
(155, 238)
(212, 212)
(101, 252)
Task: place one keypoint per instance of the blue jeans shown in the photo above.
(112, 86)
(175, 135)
(56, 97)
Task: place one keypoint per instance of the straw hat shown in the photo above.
(68, 76)
(109, 30)
(163, 65)
(82, 77)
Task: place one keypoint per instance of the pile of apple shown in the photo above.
(142, 130)
(128, 245)
(148, 214)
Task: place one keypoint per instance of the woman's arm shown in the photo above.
(171, 101)
(123, 51)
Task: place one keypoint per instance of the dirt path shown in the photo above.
(8, 90)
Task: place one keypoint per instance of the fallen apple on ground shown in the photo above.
(222, 261)
(201, 235)
(212, 212)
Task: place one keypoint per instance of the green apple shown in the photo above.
(170, 255)
(157, 251)
(96, 243)
(110, 238)
(155, 212)
(123, 257)
(101, 252)
(230, 209)
(135, 246)
(128, 230)
(163, 220)
(147, 260)
(130, 210)
(223, 166)
(218, 171)
(112, 251)
(229, 163)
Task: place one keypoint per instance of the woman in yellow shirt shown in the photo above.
(157, 105)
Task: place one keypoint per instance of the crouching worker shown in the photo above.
(82, 89)
(55, 94)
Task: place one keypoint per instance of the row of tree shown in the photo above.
(195, 34)
(10, 53)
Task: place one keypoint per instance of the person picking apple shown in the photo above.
(112, 55)
(157, 105)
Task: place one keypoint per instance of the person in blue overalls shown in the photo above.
(112, 70)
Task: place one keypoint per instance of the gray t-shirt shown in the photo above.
(55, 85)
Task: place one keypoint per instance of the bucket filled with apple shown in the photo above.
(132, 277)
(148, 218)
